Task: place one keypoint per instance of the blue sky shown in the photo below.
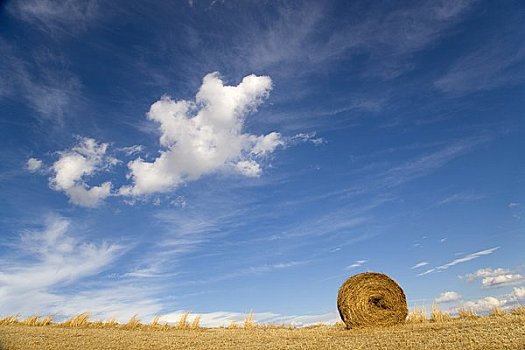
(224, 157)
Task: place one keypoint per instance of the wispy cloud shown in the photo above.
(356, 264)
(499, 61)
(56, 17)
(249, 271)
(516, 209)
(419, 264)
(46, 260)
(463, 259)
(44, 83)
(461, 197)
(392, 33)
(425, 164)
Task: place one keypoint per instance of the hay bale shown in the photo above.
(371, 299)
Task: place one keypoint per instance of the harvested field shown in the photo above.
(481, 333)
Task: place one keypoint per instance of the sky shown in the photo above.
(227, 157)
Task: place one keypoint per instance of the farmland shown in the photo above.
(498, 331)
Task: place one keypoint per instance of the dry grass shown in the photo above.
(112, 322)
(13, 319)
(519, 310)
(249, 322)
(507, 331)
(36, 320)
(439, 316)
(417, 315)
(133, 323)
(497, 312)
(183, 321)
(81, 320)
(196, 323)
(467, 314)
(233, 325)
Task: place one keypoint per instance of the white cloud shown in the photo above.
(74, 165)
(358, 263)
(55, 16)
(307, 137)
(484, 304)
(495, 277)
(514, 205)
(204, 136)
(43, 83)
(248, 168)
(460, 197)
(52, 258)
(420, 264)
(131, 150)
(488, 272)
(494, 63)
(310, 44)
(468, 257)
(502, 280)
(463, 259)
(518, 293)
(427, 163)
(447, 297)
(33, 164)
(509, 300)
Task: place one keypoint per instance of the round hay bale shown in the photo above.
(371, 299)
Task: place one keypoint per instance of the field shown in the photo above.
(498, 331)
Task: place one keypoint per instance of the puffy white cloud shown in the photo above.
(248, 168)
(509, 300)
(495, 277)
(33, 164)
(504, 301)
(484, 304)
(70, 170)
(502, 280)
(518, 293)
(487, 272)
(447, 297)
(204, 136)
(266, 144)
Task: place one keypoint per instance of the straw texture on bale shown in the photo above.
(371, 299)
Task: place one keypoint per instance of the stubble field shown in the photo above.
(480, 333)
